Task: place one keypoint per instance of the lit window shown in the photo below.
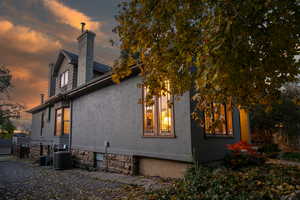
(218, 119)
(58, 122)
(158, 115)
(62, 121)
(66, 121)
(64, 78)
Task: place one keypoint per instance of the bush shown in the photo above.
(241, 155)
(237, 161)
(270, 150)
(292, 156)
(219, 183)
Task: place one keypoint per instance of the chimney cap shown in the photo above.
(82, 26)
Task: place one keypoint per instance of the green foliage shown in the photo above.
(292, 156)
(260, 182)
(8, 110)
(269, 148)
(237, 161)
(241, 155)
(221, 49)
(7, 129)
(283, 115)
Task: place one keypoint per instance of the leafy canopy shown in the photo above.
(8, 110)
(225, 48)
(283, 116)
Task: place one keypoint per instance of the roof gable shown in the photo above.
(73, 59)
(63, 54)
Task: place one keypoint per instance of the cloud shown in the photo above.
(70, 16)
(24, 39)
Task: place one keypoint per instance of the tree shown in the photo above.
(240, 50)
(8, 110)
(282, 116)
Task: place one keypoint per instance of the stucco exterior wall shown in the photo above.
(113, 114)
(36, 126)
(212, 148)
(46, 136)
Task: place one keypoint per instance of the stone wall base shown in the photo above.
(34, 151)
(37, 150)
(83, 159)
(124, 164)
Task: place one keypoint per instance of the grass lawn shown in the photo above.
(257, 182)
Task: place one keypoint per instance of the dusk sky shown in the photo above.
(33, 31)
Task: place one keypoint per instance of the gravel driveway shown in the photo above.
(21, 180)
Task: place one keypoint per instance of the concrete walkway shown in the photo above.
(148, 183)
(24, 180)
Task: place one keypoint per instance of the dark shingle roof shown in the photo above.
(73, 57)
(99, 67)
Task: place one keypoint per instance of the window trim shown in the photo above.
(62, 77)
(157, 132)
(221, 135)
(62, 133)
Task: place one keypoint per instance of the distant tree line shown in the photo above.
(8, 110)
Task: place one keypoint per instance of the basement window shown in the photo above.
(62, 121)
(219, 119)
(64, 78)
(158, 115)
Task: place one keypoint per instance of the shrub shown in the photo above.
(219, 183)
(292, 156)
(270, 150)
(241, 155)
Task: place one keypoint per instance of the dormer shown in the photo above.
(65, 72)
(71, 71)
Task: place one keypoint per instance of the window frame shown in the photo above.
(64, 79)
(62, 133)
(220, 134)
(156, 127)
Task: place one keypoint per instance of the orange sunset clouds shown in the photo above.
(33, 31)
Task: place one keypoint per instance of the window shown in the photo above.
(158, 115)
(64, 78)
(218, 119)
(62, 121)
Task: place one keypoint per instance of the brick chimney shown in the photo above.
(86, 56)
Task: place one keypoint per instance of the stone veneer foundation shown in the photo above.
(34, 151)
(125, 164)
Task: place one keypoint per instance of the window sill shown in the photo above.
(159, 136)
(64, 135)
(219, 136)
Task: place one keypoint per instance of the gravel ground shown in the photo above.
(21, 180)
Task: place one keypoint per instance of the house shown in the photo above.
(103, 124)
